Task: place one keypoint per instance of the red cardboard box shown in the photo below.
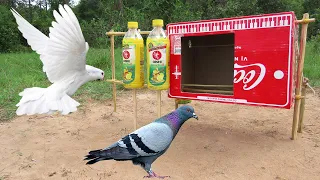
(244, 60)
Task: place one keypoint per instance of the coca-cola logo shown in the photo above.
(251, 75)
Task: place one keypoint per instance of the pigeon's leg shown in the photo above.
(152, 174)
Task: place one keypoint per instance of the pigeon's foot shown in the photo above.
(154, 175)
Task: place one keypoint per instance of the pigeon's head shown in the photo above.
(187, 112)
(95, 73)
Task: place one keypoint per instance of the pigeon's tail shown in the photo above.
(114, 152)
(98, 155)
(40, 101)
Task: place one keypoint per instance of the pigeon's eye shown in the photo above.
(102, 73)
(188, 110)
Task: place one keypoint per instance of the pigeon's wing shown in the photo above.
(148, 140)
(63, 53)
(112, 152)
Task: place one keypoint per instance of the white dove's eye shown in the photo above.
(102, 73)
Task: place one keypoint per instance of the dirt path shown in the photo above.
(228, 142)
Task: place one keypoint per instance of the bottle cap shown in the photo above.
(157, 22)
(132, 24)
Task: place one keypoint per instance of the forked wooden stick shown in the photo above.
(113, 74)
(159, 102)
(135, 108)
(297, 103)
(302, 105)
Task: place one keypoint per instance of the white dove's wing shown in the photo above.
(66, 49)
(63, 52)
(35, 38)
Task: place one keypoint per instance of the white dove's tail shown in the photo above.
(38, 101)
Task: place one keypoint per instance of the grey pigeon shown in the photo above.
(146, 144)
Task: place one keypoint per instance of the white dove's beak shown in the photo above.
(195, 116)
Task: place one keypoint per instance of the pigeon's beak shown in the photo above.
(195, 116)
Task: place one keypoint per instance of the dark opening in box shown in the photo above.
(208, 64)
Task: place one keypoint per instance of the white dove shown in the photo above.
(63, 55)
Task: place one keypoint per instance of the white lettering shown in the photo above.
(242, 58)
(242, 74)
(246, 78)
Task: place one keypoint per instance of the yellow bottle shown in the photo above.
(158, 57)
(133, 57)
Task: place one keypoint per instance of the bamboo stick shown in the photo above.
(120, 82)
(306, 20)
(114, 81)
(206, 85)
(207, 91)
(112, 33)
(135, 108)
(302, 105)
(297, 104)
(113, 74)
(123, 33)
(159, 102)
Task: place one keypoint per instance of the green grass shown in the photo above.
(312, 62)
(18, 71)
(23, 70)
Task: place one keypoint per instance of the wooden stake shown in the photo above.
(176, 104)
(159, 102)
(302, 105)
(306, 20)
(111, 33)
(113, 74)
(135, 108)
(297, 104)
(114, 81)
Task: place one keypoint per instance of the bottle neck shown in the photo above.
(133, 33)
(157, 32)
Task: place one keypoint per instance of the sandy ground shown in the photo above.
(227, 142)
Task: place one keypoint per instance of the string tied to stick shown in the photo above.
(306, 82)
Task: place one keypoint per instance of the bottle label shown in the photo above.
(158, 57)
(128, 55)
